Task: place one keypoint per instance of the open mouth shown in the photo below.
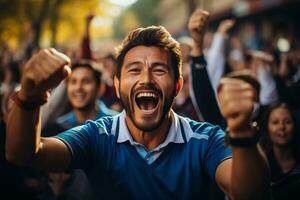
(147, 101)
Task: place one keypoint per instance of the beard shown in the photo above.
(127, 101)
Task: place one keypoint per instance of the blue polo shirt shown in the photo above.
(119, 168)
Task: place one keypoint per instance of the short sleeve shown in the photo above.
(216, 151)
(80, 143)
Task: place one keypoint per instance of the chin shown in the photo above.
(148, 127)
(149, 124)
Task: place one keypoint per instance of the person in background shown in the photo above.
(82, 87)
(216, 55)
(183, 104)
(108, 96)
(280, 140)
(287, 78)
(82, 93)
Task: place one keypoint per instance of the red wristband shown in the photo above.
(28, 105)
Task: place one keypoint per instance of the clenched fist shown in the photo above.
(225, 25)
(237, 98)
(43, 71)
(197, 25)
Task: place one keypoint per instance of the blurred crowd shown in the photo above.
(89, 94)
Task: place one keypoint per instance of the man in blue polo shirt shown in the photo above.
(147, 151)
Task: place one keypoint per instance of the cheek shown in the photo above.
(70, 88)
(126, 86)
(170, 89)
(91, 89)
(290, 130)
(271, 129)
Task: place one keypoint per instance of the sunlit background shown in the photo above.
(47, 23)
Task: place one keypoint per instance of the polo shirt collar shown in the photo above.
(174, 135)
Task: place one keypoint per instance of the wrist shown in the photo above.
(29, 97)
(22, 101)
(197, 50)
(246, 137)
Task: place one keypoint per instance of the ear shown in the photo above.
(117, 86)
(179, 84)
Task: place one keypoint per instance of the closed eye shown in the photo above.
(134, 70)
(160, 70)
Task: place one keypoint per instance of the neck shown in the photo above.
(153, 138)
(87, 113)
(284, 157)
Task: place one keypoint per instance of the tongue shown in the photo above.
(147, 105)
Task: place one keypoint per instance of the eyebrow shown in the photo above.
(152, 64)
(132, 63)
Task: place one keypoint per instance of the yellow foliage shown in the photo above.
(70, 24)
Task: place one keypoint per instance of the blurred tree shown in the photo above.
(140, 14)
(30, 24)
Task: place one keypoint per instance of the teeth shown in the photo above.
(146, 94)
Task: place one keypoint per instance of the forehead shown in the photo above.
(280, 112)
(147, 54)
(81, 72)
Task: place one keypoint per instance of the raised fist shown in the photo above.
(89, 18)
(42, 72)
(197, 25)
(225, 25)
(237, 98)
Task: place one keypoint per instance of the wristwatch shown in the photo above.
(243, 142)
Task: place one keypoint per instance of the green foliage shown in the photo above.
(144, 15)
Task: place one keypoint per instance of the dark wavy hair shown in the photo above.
(151, 36)
(97, 69)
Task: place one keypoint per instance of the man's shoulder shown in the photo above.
(103, 125)
(200, 129)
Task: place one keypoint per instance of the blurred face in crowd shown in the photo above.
(110, 67)
(185, 52)
(147, 86)
(184, 93)
(82, 88)
(281, 127)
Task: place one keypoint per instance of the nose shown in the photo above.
(282, 125)
(146, 76)
(77, 85)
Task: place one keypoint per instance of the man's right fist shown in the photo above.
(44, 71)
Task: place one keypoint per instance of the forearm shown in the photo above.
(202, 93)
(56, 104)
(268, 92)
(216, 60)
(85, 48)
(22, 135)
(250, 174)
(85, 43)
